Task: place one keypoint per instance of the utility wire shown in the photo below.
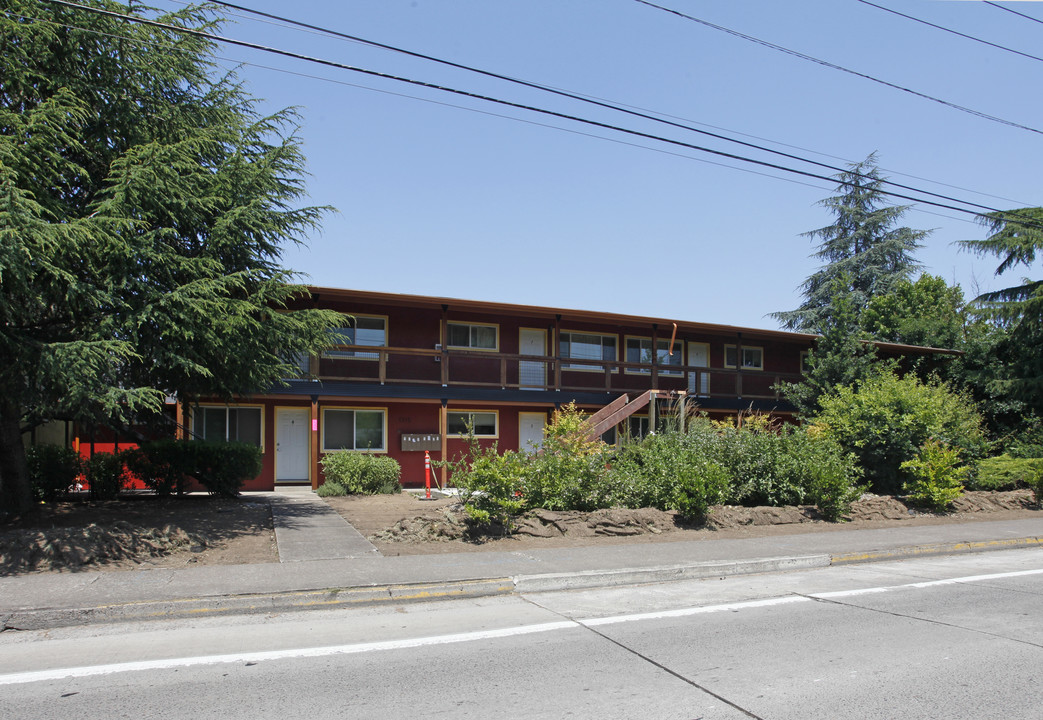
(464, 93)
(573, 96)
(954, 32)
(1015, 12)
(834, 66)
(290, 24)
(431, 101)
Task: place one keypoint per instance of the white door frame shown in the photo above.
(704, 389)
(306, 415)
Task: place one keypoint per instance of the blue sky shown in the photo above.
(441, 195)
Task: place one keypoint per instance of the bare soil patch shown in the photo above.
(137, 532)
(406, 525)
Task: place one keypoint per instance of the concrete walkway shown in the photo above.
(306, 528)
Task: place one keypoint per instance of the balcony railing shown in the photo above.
(477, 368)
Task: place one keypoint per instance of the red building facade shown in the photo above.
(410, 372)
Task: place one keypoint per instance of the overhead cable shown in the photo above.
(954, 32)
(576, 96)
(1015, 12)
(507, 103)
(834, 66)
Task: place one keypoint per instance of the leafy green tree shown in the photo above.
(863, 245)
(931, 313)
(1016, 237)
(144, 205)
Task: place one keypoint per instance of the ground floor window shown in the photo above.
(354, 429)
(242, 424)
(483, 423)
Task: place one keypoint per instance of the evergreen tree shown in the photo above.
(862, 244)
(1017, 238)
(842, 356)
(144, 204)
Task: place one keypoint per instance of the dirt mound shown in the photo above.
(446, 522)
(982, 501)
(731, 516)
(76, 548)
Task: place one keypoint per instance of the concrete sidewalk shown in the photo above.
(307, 577)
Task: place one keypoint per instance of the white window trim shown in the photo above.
(494, 413)
(666, 370)
(738, 359)
(359, 354)
(468, 323)
(384, 430)
(566, 361)
(199, 435)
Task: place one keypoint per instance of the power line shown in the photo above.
(954, 32)
(1015, 12)
(834, 66)
(464, 93)
(573, 96)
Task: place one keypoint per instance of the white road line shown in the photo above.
(252, 657)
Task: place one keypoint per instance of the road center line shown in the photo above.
(254, 657)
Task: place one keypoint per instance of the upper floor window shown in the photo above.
(349, 429)
(752, 357)
(805, 357)
(242, 424)
(482, 424)
(472, 336)
(368, 330)
(639, 350)
(587, 346)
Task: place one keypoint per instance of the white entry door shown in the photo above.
(291, 444)
(530, 431)
(699, 356)
(532, 375)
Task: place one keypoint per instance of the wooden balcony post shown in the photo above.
(738, 366)
(313, 445)
(383, 370)
(655, 356)
(556, 344)
(445, 345)
(443, 422)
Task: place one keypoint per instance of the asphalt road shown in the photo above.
(956, 637)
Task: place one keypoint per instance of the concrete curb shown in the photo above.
(958, 548)
(642, 576)
(400, 593)
(330, 598)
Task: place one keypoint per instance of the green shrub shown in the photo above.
(360, 473)
(1004, 473)
(53, 469)
(163, 466)
(106, 475)
(223, 467)
(331, 489)
(668, 471)
(166, 466)
(491, 488)
(936, 475)
(887, 419)
(830, 476)
(568, 471)
(1036, 483)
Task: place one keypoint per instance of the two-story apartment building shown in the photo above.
(410, 373)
